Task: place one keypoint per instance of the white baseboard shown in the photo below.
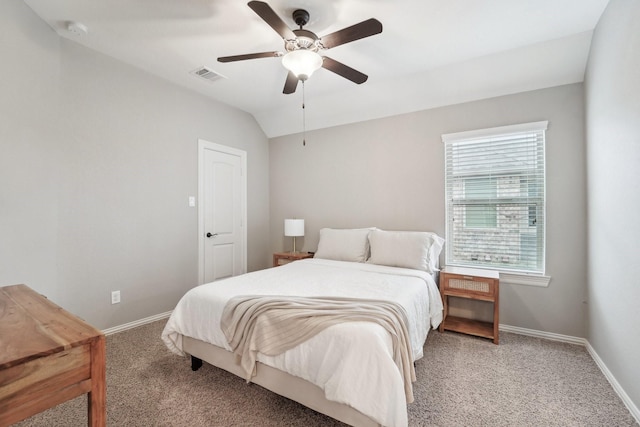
(615, 384)
(542, 334)
(136, 323)
(635, 412)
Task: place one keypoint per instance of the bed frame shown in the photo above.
(279, 382)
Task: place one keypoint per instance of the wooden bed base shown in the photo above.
(277, 381)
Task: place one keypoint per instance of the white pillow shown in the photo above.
(344, 244)
(408, 249)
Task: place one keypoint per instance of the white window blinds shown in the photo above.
(495, 197)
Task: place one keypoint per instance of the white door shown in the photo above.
(222, 211)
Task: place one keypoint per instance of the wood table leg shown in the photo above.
(97, 400)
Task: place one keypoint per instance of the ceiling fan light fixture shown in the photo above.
(301, 47)
(302, 63)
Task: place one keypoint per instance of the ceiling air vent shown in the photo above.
(207, 74)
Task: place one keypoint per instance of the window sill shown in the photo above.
(525, 279)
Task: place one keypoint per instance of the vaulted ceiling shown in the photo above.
(430, 52)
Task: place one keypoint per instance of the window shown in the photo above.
(495, 198)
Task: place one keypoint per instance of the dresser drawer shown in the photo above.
(23, 383)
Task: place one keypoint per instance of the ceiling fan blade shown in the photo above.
(359, 31)
(343, 70)
(250, 56)
(290, 84)
(265, 12)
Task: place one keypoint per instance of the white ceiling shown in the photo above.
(430, 53)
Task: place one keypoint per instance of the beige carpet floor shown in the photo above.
(462, 381)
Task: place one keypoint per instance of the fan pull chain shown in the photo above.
(304, 119)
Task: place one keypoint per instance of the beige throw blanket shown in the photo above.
(274, 324)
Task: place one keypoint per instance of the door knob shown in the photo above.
(212, 235)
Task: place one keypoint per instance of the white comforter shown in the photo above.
(352, 362)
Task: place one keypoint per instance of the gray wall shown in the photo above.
(389, 173)
(97, 162)
(613, 151)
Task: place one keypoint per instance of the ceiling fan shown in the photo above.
(303, 48)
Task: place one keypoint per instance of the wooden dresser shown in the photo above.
(47, 356)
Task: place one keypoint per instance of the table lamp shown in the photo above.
(294, 228)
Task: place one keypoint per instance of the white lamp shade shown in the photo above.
(294, 227)
(302, 63)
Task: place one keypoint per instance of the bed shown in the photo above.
(347, 370)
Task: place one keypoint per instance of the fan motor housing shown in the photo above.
(304, 40)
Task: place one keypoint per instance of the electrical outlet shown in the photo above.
(115, 297)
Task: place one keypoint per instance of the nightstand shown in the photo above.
(471, 283)
(280, 258)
